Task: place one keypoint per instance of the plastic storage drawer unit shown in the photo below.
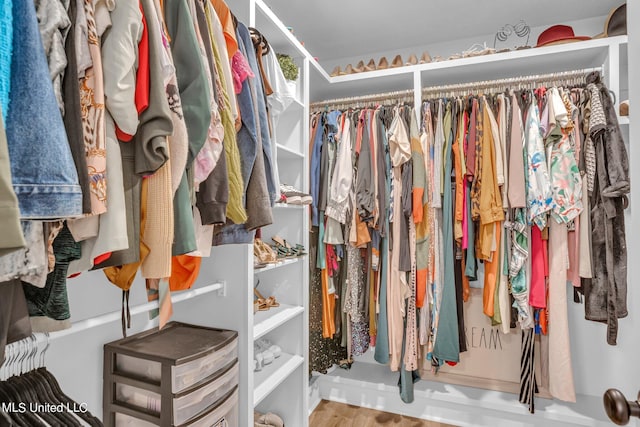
(186, 405)
(224, 415)
(193, 353)
(172, 375)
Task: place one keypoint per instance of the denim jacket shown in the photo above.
(254, 144)
(43, 172)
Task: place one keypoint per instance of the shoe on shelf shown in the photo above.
(294, 196)
(267, 420)
(397, 62)
(266, 345)
(263, 353)
(371, 66)
(413, 60)
(257, 361)
(349, 69)
(285, 250)
(425, 58)
(263, 255)
(383, 64)
(359, 68)
(265, 303)
(337, 72)
(624, 108)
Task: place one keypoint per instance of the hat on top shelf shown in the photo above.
(559, 34)
(616, 23)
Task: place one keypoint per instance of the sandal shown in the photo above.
(263, 254)
(283, 248)
(269, 302)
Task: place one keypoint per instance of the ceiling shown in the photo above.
(333, 29)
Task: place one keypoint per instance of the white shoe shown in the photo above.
(295, 196)
(258, 361)
(274, 349)
(266, 354)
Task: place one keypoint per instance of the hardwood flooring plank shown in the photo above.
(333, 414)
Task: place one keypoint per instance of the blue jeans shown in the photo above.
(43, 172)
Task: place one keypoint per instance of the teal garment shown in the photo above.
(447, 345)
(184, 240)
(196, 107)
(382, 339)
(381, 354)
(321, 262)
(471, 266)
(407, 378)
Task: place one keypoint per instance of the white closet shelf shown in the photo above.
(279, 36)
(279, 264)
(272, 375)
(564, 57)
(289, 153)
(116, 316)
(268, 320)
(288, 206)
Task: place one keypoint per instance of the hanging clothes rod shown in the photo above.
(562, 77)
(397, 95)
(523, 82)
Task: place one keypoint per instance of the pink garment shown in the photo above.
(537, 298)
(465, 219)
(241, 71)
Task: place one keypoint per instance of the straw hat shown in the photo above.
(616, 23)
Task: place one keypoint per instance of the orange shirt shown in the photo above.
(224, 14)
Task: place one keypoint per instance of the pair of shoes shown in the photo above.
(285, 250)
(267, 420)
(264, 353)
(383, 64)
(264, 304)
(624, 108)
(263, 255)
(478, 50)
(293, 196)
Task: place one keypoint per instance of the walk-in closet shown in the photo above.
(239, 213)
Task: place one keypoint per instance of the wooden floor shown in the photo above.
(332, 414)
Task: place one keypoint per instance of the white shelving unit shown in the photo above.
(282, 386)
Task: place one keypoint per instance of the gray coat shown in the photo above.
(606, 293)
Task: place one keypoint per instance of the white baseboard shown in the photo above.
(375, 387)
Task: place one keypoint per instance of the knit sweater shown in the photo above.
(159, 227)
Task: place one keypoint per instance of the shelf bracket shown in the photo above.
(222, 292)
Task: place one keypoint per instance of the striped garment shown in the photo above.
(528, 384)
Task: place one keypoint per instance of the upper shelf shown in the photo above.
(549, 59)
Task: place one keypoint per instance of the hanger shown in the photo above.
(26, 379)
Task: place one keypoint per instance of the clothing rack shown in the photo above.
(364, 100)
(573, 77)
